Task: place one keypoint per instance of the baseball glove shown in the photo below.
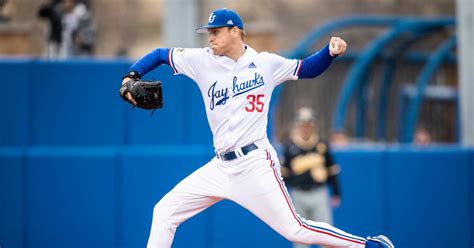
(147, 94)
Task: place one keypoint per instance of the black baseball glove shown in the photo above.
(147, 94)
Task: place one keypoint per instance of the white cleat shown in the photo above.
(382, 240)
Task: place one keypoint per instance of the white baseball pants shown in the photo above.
(252, 181)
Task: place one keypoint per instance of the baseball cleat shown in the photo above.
(382, 240)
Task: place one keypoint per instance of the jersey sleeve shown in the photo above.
(283, 69)
(185, 61)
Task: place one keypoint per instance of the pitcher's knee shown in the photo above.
(163, 217)
(293, 234)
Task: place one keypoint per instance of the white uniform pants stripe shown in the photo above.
(310, 224)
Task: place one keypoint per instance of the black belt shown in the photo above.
(234, 154)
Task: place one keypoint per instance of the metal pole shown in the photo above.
(180, 22)
(465, 29)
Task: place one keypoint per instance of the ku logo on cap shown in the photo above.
(212, 17)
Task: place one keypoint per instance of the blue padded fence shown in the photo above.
(77, 103)
(78, 168)
(104, 197)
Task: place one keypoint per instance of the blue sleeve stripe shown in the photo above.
(170, 60)
(296, 68)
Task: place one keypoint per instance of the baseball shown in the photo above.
(335, 48)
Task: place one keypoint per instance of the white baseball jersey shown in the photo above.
(236, 94)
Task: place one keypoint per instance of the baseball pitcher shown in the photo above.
(236, 83)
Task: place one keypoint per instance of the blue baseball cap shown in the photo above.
(222, 18)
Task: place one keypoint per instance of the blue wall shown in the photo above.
(78, 168)
(56, 103)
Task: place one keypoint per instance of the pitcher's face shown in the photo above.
(221, 39)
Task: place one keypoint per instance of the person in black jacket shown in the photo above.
(53, 12)
(72, 31)
(308, 169)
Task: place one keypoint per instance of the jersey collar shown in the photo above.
(246, 57)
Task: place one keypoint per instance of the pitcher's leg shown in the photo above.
(268, 199)
(198, 191)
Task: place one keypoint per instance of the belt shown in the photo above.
(228, 156)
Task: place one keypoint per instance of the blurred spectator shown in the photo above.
(84, 35)
(53, 12)
(422, 136)
(308, 168)
(3, 16)
(72, 31)
(78, 35)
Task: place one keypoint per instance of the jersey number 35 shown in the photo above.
(254, 103)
